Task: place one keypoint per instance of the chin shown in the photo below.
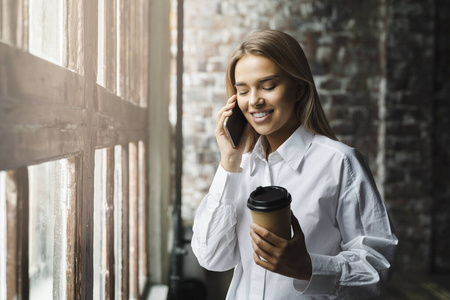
(262, 132)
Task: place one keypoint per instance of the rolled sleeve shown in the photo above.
(325, 276)
(224, 185)
(214, 238)
(361, 269)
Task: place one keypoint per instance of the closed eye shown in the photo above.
(242, 93)
(270, 88)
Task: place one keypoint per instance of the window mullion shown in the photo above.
(17, 206)
(125, 224)
(134, 221)
(142, 217)
(110, 43)
(109, 214)
(73, 195)
(86, 210)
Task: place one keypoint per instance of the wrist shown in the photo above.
(304, 272)
(307, 271)
(231, 164)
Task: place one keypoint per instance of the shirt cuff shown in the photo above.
(326, 272)
(225, 185)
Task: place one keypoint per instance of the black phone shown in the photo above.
(234, 126)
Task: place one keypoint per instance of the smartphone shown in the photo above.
(234, 126)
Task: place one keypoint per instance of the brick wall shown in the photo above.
(408, 135)
(374, 66)
(441, 204)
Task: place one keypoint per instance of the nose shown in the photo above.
(255, 99)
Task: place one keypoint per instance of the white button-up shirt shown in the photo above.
(347, 230)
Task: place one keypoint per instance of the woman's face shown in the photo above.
(267, 97)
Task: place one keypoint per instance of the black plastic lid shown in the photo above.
(269, 198)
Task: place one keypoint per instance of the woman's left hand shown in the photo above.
(286, 257)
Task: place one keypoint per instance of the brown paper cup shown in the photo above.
(278, 222)
(270, 208)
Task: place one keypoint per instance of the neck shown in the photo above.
(276, 140)
(268, 150)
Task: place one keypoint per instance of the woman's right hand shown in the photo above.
(230, 158)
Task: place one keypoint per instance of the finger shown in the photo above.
(261, 253)
(221, 119)
(227, 109)
(273, 260)
(262, 263)
(232, 99)
(260, 243)
(224, 113)
(267, 235)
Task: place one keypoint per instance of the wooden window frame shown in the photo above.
(50, 112)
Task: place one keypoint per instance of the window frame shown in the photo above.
(49, 112)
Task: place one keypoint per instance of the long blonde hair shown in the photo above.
(287, 53)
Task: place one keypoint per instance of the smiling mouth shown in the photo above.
(262, 114)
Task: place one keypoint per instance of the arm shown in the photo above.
(361, 270)
(368, 244)
(214, 241)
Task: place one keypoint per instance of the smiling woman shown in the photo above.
(342, 244)
(290, 60)
(268, 98)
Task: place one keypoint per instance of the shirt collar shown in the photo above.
(292, 150)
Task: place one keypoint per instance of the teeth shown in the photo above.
(261, 114)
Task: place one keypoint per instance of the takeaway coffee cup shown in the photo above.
(271, 208)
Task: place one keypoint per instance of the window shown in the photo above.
(3, 235)
(50, 203)
(46, 29)
(101, 209)
(74, 129)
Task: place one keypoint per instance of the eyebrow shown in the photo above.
(268, 78)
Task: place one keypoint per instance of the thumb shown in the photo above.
(296, 226)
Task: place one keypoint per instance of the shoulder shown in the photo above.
(349, 158)
(333, 147)
(334, 151)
